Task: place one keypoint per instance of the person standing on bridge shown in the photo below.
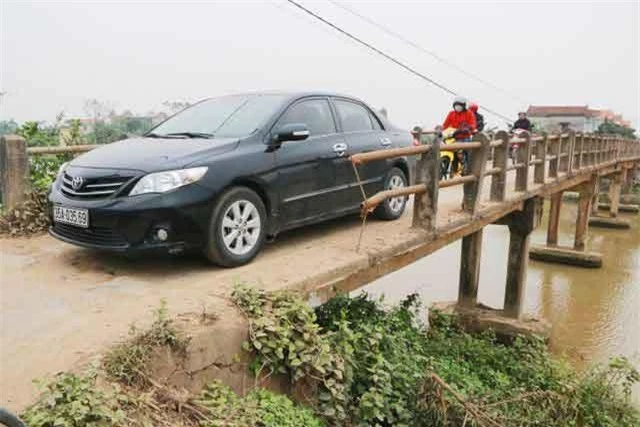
(463, 120)
(522, 122)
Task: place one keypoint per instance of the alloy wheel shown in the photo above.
(241, 227)
(396, 203)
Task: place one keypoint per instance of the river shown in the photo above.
(595, 313)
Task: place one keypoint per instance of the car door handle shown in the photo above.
(385, 141)
(340, 148)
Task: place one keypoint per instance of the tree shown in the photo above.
(175, 106)
(8, 127)
(611, 128)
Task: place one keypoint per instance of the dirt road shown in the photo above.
(60, 305)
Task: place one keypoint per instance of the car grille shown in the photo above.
(98, 236)
(94, 188)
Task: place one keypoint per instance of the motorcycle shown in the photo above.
(513, 147)
(451, 163)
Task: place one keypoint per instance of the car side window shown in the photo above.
(354, 117)
(315, 113)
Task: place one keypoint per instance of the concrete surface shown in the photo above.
(567, 256)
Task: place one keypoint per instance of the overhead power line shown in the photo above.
(387, 56)
(431, 53)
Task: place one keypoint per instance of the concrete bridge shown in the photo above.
(511, 195)
(60, 306)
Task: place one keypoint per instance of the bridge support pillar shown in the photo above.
(470, 269)
(521, 224)
(554, 218)
(588, 194)
(615, 188)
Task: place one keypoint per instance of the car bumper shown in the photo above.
(130, 224)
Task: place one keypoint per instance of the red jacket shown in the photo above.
(463, 119)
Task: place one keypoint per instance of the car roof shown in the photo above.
(292, 95)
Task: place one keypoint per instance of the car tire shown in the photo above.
(237, 228)
(393, 208)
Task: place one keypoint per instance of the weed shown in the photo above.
(74, 400)
(259, 408)
(128, 362)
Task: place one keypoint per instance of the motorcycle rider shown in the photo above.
(479, 117)
(522, 122)
(464, 122)
(461, 119)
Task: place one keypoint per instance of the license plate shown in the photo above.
(73, 216)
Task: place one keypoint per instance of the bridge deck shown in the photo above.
(60, 305)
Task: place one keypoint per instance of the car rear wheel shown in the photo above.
(393, 208)
(237, 228)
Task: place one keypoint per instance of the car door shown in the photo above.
(307, 169)
(363, 133)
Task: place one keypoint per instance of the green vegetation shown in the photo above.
(354, 364)
(128, 361)
(259, 408)
(32, 216)
(74, 400)
(121, 392)
(611, 128)
(368, 366)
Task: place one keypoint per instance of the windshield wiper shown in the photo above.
(191, 134)
(157, 135)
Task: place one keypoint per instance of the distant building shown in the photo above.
(579, 118)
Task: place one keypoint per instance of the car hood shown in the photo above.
(154, 154)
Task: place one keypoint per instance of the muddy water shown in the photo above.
(595, 313)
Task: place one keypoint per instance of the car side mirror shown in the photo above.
(291, 132)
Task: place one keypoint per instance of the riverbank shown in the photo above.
(349, 362)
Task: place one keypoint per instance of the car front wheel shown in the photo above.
(237, 228)
(393, 207)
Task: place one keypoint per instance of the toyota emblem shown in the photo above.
(76, 182)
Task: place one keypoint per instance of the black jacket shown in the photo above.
(479, 122)
(522, 124)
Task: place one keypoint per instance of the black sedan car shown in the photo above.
(226, 173)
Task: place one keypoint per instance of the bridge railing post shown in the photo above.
(554, 143)
(571, 151)
(577, 148)
(14, 170)
(592, 150)
(472, 190)
(500, 159)
(600, 149)
(425, 207)
(586, 146)
(523, 159)
(563, 150)
(541, 161)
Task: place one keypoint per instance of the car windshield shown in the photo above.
(225, 117)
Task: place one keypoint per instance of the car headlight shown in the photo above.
(160, 182)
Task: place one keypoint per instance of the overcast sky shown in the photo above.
(55, 55)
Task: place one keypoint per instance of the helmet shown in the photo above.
(473, 107)
(460, 100)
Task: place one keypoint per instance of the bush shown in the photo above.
(384, 368)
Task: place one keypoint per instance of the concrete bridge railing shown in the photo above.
(544, 165)
(552, 157)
